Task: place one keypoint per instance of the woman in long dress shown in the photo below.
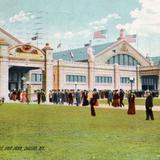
(116, 99)
(131, 103)
(94, 102)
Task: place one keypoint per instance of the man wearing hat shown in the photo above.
(149, 105)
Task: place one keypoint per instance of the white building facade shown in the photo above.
(107, 66)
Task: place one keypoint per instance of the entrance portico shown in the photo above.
(17, 65)
(150, 77)
(19, 77)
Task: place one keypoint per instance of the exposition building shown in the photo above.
(111, 65)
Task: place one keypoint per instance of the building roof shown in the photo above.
(10, 36)
(155, 60)
(80, 54)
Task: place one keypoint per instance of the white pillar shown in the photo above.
(116, 76)
(91, 75)
(4, 71)
(60, 74)
(49, 70)
(138, 79)
(159, 83)
(91, 67)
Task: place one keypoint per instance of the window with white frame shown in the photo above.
(103, 79)
(36, 77)
(125, 80)
(76, 78)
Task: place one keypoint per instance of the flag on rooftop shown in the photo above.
(88, 44)
(71, 54)
(131, 38)
(100, 34)
(34, 38)
(59, 45)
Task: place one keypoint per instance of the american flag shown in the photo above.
(100, 34)
(131, 38)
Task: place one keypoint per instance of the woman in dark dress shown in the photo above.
(131, 103)
(70, 98)
(116, 99)
(94, 102)
(85, 98)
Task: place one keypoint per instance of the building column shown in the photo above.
(4, 71)
(48, 70)
(138, 79)
(159, 83)
(116, 76)
(91, 76)
(60, 74)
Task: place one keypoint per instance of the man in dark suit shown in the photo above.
(149, 105)
(121, 94)
(38, 96)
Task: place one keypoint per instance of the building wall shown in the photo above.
(64, 68)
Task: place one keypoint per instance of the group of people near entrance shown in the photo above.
(20, 95)
(85, 98)
(71, 97)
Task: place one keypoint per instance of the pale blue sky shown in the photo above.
(72, 22)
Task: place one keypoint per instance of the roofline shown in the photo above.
(108, 48)
(116, 43)
(81, 47)
(11, 36)
(138, 52)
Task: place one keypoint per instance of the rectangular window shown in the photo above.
(33, 78)
(36, 77)
(75, 78)
(125, 80)
(103, 79)
(121, 59)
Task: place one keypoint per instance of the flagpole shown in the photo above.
(108, 34)
(149, 41)
(37, 40)
(137, 40)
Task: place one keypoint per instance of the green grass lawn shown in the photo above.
(70, 133)
(139, 101)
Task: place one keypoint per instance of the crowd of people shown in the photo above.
(20, 95)
(85, 98)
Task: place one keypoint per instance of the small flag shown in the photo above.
(88, 44)
(71, 54)
(131, 38)
(59, 45)
(34, 38)
(100, 34)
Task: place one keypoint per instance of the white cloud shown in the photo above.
(57, 35)
(68, 35)
(146, 20)
(22, 16)
(82, 33)
(100, 24)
